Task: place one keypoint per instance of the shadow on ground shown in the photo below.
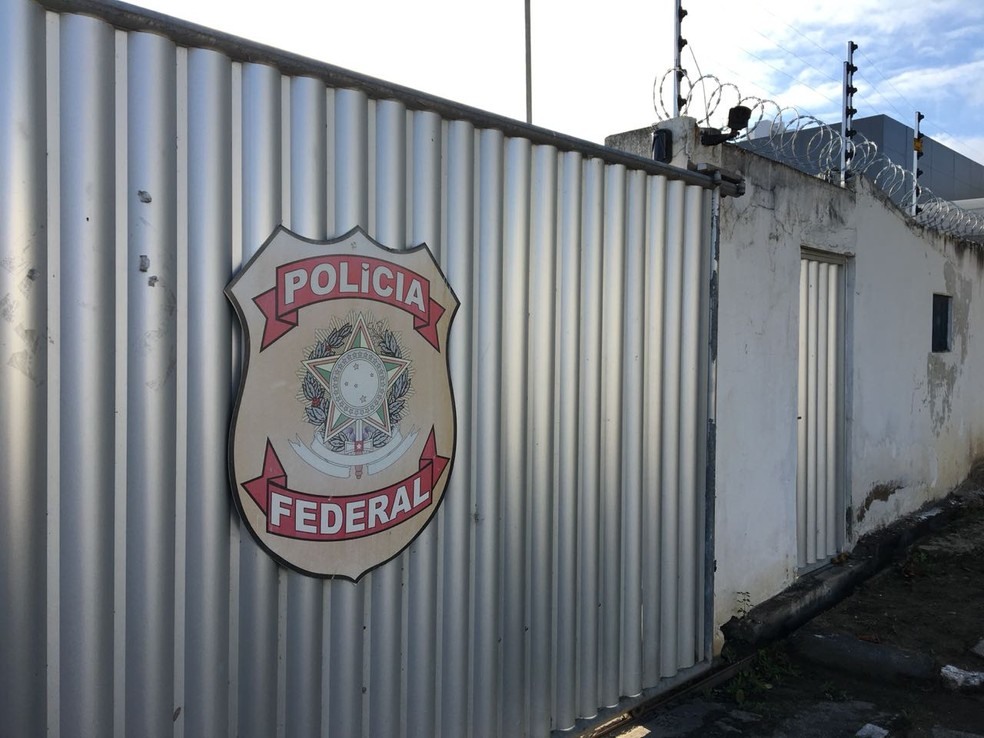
(869, 666)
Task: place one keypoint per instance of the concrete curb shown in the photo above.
(818, 591)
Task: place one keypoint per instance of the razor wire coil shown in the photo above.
(809, 144)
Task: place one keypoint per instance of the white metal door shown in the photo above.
(819, 414)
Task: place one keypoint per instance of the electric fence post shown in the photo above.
(917, 153)
(847, 120)
(678, 43)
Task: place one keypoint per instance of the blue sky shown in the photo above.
(594, 63)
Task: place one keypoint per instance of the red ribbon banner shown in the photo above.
(321, 278)
(304, 516)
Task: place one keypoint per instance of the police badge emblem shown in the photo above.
(343, 432)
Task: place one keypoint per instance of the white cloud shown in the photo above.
(594, 66)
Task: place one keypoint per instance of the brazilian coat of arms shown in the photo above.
(343, 431)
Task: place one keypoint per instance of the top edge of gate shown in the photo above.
(132, 18)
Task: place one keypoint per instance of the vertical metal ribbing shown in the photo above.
(633, 346)
(386, 582)
(23, 368)
(420, 648)
(541, 434)
(87, 384)
(589, 438)
(484, 688)
(152, 287)
(818, 528)
(802, 417)
(610, 513)
(178, 604)
(308, 218)
(513, 429)
(121, 279)
(259, 574)
(833, 385)
(670, 590)
(455, 516)
(52, 596)
(811, 413)
(568, 342)
(532, 600)
(239, 256)
(351, 188)
(691, 386)
(819, 514)
(652, 401)
(206, 668)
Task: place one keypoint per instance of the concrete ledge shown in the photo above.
(819, 590)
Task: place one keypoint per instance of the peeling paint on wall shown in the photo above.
(943, 369)
(879, 493)
(964, 248)
(962, 290)
(941, 377)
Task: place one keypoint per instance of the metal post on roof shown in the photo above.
(917, 152)
(847, 118)
(529, 67)
(678, 43)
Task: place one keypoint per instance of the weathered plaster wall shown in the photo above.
(914, 420)
(918, 416)
(758, 348)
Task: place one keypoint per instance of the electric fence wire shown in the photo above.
(809, 144)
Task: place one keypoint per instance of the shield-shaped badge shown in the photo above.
(343, 432)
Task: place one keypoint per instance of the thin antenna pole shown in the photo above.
(529, 67)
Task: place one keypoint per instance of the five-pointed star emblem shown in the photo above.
(357, 382)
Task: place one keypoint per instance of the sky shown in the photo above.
(595, 64)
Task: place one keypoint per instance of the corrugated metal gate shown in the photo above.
(566, 570)
(818, 505)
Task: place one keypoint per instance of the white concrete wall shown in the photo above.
(758, 348)
(914, 420)
(918, 416)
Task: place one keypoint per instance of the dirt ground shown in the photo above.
(880, 675)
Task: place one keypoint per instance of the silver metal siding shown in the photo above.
(422, 588)
(541, 446)
(564, 571)
(207, 569)
(308, 217)
(612, 411)
(630, 525)
(567, 346)
(23, 369)
(652, 399)
(589, 424)
(87, 383)
(458, 523)
(259, 576)
(151, 303)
